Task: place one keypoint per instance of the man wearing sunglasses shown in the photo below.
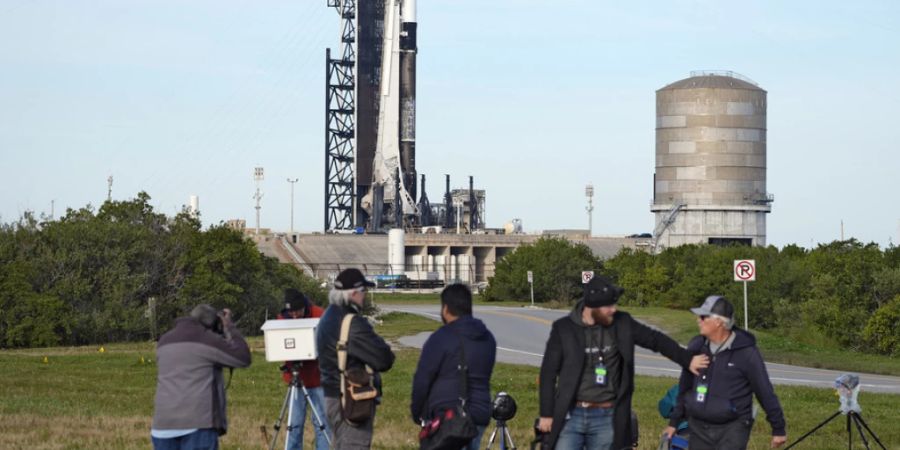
(718, 402)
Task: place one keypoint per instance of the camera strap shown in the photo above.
(342, 354)
(463, 370)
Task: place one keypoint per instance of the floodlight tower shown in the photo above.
(589, 193)
(258, 177)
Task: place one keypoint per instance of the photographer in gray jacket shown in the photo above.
(189, 410)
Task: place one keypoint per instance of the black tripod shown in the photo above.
(506, 441)
(852, 417)
(296, 385)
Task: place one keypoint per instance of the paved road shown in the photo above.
(521, 334)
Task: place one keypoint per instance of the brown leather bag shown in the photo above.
(358, 393)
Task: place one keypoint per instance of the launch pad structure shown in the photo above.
(370, 126)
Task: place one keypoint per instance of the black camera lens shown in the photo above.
(503, 407)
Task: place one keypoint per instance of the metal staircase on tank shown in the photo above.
(664, 224)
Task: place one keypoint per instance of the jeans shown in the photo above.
(298, 418)
(587, 428)
(476, 441)
(203, 439)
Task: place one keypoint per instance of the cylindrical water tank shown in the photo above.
(396, 251)
(710, 142)
(711, 160)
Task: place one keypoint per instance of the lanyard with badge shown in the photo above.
(600, 371)
(703, 385)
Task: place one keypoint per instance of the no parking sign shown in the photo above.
(744, 270)
(586, 276)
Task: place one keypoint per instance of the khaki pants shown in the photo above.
(346, 436)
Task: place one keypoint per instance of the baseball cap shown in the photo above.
(351, 279)
(294, 300)
(601, 292)
(715, 305)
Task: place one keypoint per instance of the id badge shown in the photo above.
(702, 389)
(600, 374)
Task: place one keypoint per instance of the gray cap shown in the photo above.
(715, 305)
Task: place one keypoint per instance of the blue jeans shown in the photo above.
(476, 441)
(298, 418)
(590, 428)
(203, 439)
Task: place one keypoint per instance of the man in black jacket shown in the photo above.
(587, 375)
(364, 348)
(436, 384)
(718, 401)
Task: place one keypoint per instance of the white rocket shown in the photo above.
(395, 151)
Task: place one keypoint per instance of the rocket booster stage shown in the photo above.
(408, 95)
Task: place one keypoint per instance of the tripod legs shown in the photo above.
(288, 406)
(506, 441)
(852, 417)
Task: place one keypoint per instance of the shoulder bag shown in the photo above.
(357, 392)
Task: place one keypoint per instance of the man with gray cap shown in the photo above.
(364, 349)
(718, 401)
(587, 374)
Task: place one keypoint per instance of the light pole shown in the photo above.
(292, 181)
(257, 176)
(589, 192)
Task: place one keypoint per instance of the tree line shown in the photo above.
(845, 290)
(125, 272)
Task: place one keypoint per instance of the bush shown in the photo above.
(556, 264)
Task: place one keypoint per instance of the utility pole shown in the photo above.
(258, 177)
(292, 181)
(589, 192)
(109, 188)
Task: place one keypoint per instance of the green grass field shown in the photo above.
(83, 399)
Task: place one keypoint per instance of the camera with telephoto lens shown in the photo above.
(503, 407)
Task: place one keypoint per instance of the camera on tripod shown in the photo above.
(293, 341)
(290, 339)
(503, 407)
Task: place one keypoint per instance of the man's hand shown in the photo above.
(669, 432)
(778, 441)
(225, 315)
(698, 362)
(545, 424)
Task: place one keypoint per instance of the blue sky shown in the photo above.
(533, 98)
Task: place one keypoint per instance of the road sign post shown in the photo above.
(745, 271)
(531, 283)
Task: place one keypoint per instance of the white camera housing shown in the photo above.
(290, 339)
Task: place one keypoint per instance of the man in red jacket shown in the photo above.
(298, 306)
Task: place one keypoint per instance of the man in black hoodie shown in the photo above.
(436, 384)
(587, 375)
(718, 401)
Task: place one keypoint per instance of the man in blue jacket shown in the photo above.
(436, 384)
(718, 401)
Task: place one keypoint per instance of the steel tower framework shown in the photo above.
(340, 124)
